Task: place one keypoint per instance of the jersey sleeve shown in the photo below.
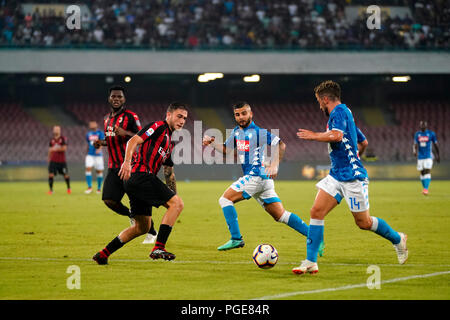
(135, 123)
(416, 138)
(272, 139)
(338, 121)
(63, 141)
(360, 137)
(148, 132)
(101, 135)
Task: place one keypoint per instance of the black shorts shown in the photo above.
(113, 186)
(145, 190)
(58, 167)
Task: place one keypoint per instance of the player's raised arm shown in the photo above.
(210, 141)
(327, 136)
(125, 169)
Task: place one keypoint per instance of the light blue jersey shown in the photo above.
(251, 143)
(424, 140)
(91, 137)
(345, 163)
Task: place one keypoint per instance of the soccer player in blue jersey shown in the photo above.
(347, 179)
(94, 157)
(250, 143)
(422, 148)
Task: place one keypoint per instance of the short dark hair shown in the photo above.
(329, 88)
(240, 104)
(118, 88)
(177, 105)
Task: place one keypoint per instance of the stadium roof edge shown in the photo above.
(238, 62)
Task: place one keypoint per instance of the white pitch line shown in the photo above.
(335, 264)
(349, 287)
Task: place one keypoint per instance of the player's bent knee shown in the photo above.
(176, 203)
(224, 202)
(316, 213)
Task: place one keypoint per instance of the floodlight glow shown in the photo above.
(401, 78)
(252, 78)
(127, 79)
(209, 76)
(54, 79)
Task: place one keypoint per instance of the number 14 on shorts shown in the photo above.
(354, 205)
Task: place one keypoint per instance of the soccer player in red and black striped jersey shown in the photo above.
(119, 125)
(144, 189)
(57, 159)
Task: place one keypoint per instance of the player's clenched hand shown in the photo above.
(125, 170)
(119, 131)
(305, 134)
(97, 144)
(207, 140)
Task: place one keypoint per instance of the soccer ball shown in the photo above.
(265, 256)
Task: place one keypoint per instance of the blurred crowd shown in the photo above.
(252, 24)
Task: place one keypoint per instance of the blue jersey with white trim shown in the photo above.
(91, 137)
(424, 141)
(251, 144)
(345, 163)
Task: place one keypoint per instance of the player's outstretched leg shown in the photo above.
(231, 218)
(383, 229)
(398, 239)
(140, 227)
(277, 211)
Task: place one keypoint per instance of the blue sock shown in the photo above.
(294, 221)
(232, 221)
(422, 179)
(380, 227)
(426, 180)
(89, 179)
(315, 237)
(99, 181)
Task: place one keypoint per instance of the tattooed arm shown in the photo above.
(170, 178)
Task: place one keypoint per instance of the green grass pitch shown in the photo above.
(42, 235)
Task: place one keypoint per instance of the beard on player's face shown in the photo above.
(244, 123)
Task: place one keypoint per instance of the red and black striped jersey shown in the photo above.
(155, 150)
(58, 156)
(127, 120)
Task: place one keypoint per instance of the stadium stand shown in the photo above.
(389, 142)
(221, 24)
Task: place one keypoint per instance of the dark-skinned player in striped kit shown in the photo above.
(119, 125)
